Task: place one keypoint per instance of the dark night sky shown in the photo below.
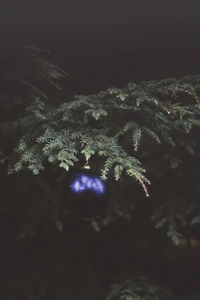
(26, 16)
(109, 43)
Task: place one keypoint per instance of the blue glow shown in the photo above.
(83, 183)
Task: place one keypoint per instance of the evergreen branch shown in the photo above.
(152, 109)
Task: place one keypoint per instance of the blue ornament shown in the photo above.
(87, 195)
(83, 182)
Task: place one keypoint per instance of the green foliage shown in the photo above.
(118, 132)
(132, 136)
(151, 109)
(137, 288)
(39, 285)
(27, 80)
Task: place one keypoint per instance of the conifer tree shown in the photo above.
(147, 132)
(141, 139)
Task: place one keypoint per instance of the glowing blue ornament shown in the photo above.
(86, 194)
(83, 182)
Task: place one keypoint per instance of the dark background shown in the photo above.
(103, 44)
(108, 43)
